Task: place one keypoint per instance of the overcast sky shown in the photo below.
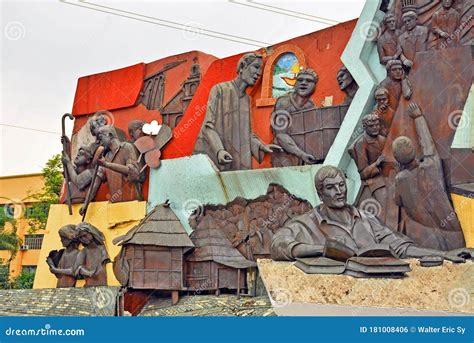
(47, 45)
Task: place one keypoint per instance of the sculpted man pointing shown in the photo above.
(226, 135)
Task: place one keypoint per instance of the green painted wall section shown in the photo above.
(464, 136)
(362, 60)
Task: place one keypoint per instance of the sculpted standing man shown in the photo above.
(396, 83)
(347, 84)
(62, 263)
(387, 44)
(306, 235)
(80, 173)
(226, 135)
(383, 110)
(366, 151)
(427, 214)
(413, 40)
(286, 130)
(119, 169)
(135, 129)
(444, 24)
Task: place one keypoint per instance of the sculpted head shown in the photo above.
(88, 234)
(395, 70)
(381, 98)
(106, 135)
(344, 78)
(331, 186)
(249, 68)
(135, 129)
(390, 21)
(98, 120)
(84, 156)
(306, 81)
(371, 124)
(403, 150)
(409, 20)
(447, 4)
(68, 234)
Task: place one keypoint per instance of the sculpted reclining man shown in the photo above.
(305, 235)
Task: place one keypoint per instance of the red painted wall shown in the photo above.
(322, 51)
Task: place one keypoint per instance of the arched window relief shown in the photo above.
(279, 73)
(284, 74)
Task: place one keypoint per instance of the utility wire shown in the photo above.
(284, 11)
(166, 23)
(30, 128)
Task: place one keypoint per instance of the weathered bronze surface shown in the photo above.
(347, 84)
(306, 235)
(92, 259)
(387, 44)
(294, 124)
(396, 83)
(250, 224)
(152, 254)
(226, 135)
(414, 39)
(71, 263)
(62, 263)
(119, 168)
(444, 24)
(427, 215)
(66, 151)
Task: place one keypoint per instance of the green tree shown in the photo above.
(23, 281)
(4, 275)
(49, 194)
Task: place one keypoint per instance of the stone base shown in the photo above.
(444, 290)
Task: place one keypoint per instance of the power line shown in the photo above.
(166, 23)
(30, 128)
(284, 11)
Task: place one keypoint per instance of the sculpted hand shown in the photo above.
(271, 148)
(309, 159)
(414, 110)
(380, 160)
(459, 255)
(408, 63)
(223, 157)
(65, 159)
(444, 35)
(82, 210)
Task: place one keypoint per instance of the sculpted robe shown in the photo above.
(227, 126)
(315, 226)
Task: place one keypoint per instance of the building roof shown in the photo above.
(73, 301)
(160, 227)
(212, 245)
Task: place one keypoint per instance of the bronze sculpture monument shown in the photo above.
(62, 263)
(226, 135)
(334, 219)
(347, 84)
(290, 114)
(427, 215)
(387, 44)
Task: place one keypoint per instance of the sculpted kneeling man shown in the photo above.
(306, 235)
